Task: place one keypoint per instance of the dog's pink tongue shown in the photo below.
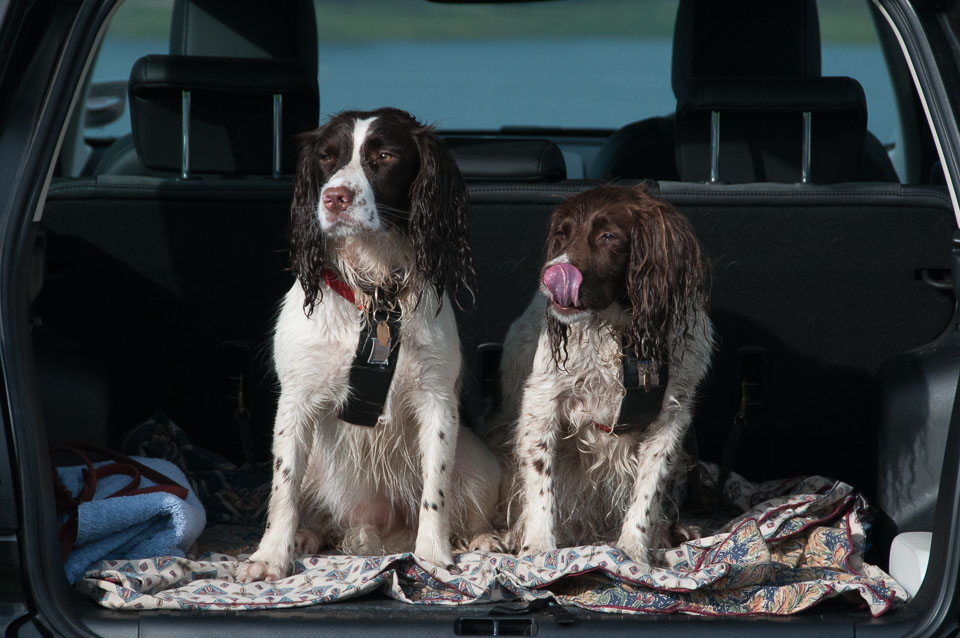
(563, 281)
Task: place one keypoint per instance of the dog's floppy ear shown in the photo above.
(440, 220)
(306, 240)
(666, 277)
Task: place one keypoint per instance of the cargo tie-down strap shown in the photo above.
(375, 360)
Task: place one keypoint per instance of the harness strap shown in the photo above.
(645, 383)
(375, 361)
(374, 365)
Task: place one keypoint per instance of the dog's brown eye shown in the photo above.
(607, 237)
(326, 157)
(386, 157)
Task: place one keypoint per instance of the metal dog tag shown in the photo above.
(380, 352)
(383, 333)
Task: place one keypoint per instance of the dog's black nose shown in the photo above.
(337, 198)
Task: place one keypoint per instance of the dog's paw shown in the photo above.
(636, 549)
(435, 551)
(532, 550)
(486, 542)
(511, 539)
(307, 542)
(251, 571)
(362, 541)
(683, 533)
(534, 543)
(271, 561)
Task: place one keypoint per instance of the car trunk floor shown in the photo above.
(779, 547)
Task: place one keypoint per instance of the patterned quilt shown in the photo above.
(797, 542)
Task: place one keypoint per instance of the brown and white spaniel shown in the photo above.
(599, 375)
(369, 453)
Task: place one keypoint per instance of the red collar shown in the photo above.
(606, 429)
(339, 286)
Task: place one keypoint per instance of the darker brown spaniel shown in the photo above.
(621, 244)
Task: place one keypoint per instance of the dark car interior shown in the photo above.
(832, 288)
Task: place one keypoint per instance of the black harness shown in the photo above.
(374, 364)
(375, 361)
(646, 384)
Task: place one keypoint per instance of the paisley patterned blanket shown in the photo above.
(796, 543)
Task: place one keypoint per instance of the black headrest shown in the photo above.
(245, 29)
(761, 128)
(747, 38)
(514, 160)
(231, 121)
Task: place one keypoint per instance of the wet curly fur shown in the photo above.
(644, 288)
(379, 205)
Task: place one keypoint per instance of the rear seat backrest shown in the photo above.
(157, 278)
(170, 272)
(826, 279)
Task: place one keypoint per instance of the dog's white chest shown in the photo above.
(595, 386)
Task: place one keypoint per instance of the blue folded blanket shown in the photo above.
(138, 526)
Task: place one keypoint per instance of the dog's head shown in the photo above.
(619, 245)
(380, 178)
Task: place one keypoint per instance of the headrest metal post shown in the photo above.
(277, 128)
(185, 127)
(714, 147)
(805, 156)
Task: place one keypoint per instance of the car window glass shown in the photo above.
(138, 28)
(849, 47)
(578, 64)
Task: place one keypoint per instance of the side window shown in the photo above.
(849, 47)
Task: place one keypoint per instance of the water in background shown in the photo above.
(486, 84)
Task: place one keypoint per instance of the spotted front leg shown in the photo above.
(656, 456)
(439, 424)
(292, 441)
(537, 433)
